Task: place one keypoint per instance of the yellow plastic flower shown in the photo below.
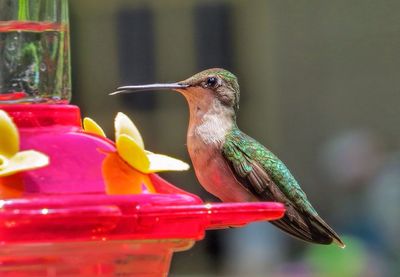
(126, 171)
(11, 159)
(91, 126)
(130, 147)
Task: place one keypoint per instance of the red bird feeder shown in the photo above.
(64, 224)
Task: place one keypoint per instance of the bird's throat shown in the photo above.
(209, 124)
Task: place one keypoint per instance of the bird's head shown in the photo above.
(214, 85)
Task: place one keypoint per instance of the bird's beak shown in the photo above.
(129, 89)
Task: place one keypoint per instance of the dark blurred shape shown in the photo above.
(352, 160)
(136, 54)
(213, 35)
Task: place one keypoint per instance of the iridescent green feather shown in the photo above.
(240, 148)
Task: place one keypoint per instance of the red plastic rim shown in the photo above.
(43, 115)
(142, 216)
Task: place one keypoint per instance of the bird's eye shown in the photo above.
(211, 82)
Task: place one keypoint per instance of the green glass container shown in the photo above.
(35, 64)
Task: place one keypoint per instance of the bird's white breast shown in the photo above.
(212, 129)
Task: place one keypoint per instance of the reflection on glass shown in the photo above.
(34, 51)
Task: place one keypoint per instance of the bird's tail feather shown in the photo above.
(314, 230)
(320, 224)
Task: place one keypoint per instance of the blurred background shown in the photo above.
(320, 86)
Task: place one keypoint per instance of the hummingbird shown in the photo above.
(233, 166)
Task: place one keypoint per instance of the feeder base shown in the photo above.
(95, 258)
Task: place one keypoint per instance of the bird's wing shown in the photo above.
(264, 175)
